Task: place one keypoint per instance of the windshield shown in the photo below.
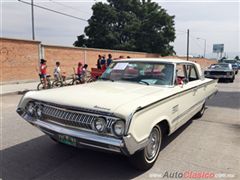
(149, 73)
(219, 66)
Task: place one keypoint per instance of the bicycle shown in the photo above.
(40, 86)
(87, 78)
(63, 81)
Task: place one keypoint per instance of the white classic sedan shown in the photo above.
(128, 110)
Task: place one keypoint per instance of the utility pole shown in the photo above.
(33, 29)
(187, 44)
(205, 45)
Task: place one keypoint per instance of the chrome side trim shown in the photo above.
(185, 112)
(161, 101)
(192, 107)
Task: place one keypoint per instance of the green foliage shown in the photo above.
(237, 58)
(132, 25)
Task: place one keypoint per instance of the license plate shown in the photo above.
(67, 140)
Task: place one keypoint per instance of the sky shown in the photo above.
(210, 20)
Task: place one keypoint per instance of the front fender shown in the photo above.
(142, 123)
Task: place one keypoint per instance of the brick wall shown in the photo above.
(19, 58)
(69, 57)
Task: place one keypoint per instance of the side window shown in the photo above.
(181, 75)
(192, 73)
(180, 71)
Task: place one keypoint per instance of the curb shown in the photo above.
(15, 93)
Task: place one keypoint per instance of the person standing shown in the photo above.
(109, 60)
(99, 61)
(57, 71)
(43, 72)
(79, 71)
(103, 63)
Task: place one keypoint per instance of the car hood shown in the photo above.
(102, 96)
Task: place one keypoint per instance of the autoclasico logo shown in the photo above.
(191, 175)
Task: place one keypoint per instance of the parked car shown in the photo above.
(233, 63)
(129, 110)
(238, 62)
(220, 71)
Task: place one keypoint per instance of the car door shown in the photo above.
(187, 82)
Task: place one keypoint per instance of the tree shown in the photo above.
(237, 58)
(129, 25)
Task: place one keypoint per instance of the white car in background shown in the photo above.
(129, 110)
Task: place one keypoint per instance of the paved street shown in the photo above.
(209, 144)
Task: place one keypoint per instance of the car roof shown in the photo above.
(165, 60)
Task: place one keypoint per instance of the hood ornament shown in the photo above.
(98, 107)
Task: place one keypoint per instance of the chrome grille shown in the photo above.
(72, 118)
(218, 73)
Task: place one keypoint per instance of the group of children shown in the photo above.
(102, 63)
(58, 75)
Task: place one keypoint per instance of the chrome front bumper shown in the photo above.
(126, 145)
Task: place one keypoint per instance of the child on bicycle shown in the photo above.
(57, 71)
(43, 72)
(81, 71)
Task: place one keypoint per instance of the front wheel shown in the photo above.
(145, 158)
(40, 86)
(57, 84)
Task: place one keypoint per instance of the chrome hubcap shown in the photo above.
(154, 144)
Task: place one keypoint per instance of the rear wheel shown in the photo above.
(145, 158)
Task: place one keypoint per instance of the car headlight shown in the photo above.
(31, 108)
(119, 127)
(100, 124)
(39, 109)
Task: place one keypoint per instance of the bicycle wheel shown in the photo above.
(40, 86)
(90, 80)
(76, 81)
(57, 84)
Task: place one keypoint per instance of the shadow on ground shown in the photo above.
(225, 99)
(224, 81)
(41, 158)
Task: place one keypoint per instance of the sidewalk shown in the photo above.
(17, 88)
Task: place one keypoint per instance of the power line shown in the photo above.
(75, 9)
(194, 39)
(58, 12)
